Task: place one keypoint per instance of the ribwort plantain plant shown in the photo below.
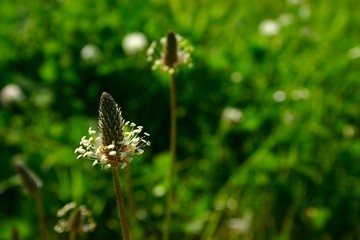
(118, 141)
(75, 220)
(32, 184)
(175, 51)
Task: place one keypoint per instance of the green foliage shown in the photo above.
(285, 167)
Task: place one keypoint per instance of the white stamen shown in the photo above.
(123, 165)
(91, 131)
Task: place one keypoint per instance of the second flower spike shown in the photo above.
(175, 51)
(117, 142)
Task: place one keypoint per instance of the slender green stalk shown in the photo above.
(40, 213)
(72, 235)
(169, 199)
(120, 203)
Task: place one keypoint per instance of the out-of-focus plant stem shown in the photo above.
(40, 213)
(169, 199)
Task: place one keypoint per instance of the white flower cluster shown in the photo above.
(117, 152)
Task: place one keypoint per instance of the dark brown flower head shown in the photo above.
(119, 140)
(170, 51)
(31, 181)
(111, 123)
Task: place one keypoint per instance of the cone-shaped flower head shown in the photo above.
(31, 181)
(170, 51)
(175, 51)
(118, 141)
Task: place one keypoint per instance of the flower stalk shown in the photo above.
(176, 51)
(33, 184)
(170, 177)
(121, 206)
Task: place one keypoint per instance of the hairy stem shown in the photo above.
(169, 199)
(41, 216)
(121, 206)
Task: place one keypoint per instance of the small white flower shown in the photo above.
(288, 118)
(134, 43)
(279, 96)
(236, 77)
(159, 191)
(349, 131)
(286, 19)
(231, 114)
(90, 53)
(300, 94)
(354, 52)
(11, 93)
(304, 12)
(269, 27)
(240, 225)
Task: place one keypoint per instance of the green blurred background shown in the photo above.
(268, 117)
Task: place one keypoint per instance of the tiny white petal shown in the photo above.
(112, 153)
(111, 146)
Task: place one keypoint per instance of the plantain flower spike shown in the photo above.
(176, 51)
(118, 141)
(75, 218)
(30, 180)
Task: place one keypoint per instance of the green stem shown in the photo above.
(169, 199)
(72, 235)
(120, 203)
(41, 216)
